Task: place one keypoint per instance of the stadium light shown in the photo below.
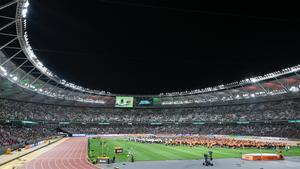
(24, 12)
(26, 4)
(25, 9)
(253, 80)
(3, 71)
(294, 89)
(15, 78)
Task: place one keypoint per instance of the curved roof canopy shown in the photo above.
(24, 76)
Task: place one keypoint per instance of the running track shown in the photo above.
(71, 154)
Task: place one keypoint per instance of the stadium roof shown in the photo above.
(24, 76)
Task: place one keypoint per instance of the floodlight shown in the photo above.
(3, 71)
(24, 12)
(15, 78)
(294, 89)
(26, 4)
(253, 80)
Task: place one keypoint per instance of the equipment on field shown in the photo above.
(103, 160)
(210, 155)
(207, 161)
(132, 158)
(113, 159)
(118, 150)
(262, 156)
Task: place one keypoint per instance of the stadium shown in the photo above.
(47, 122)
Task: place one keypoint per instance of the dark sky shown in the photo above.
(153, 46)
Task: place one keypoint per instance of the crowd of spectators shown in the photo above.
(265, 111)
(270, 130)
(14, 136)
(265, 120)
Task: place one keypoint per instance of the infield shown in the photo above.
(158, 152)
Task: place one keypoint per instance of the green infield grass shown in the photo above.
(155, 152)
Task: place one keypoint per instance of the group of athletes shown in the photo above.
(223, 142)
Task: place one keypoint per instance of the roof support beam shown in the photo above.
(45, 83)
(297, 74)
(19, 67)
(8, 4)
(281, 85)
(8, 43)
(262, 87)
(36, 79)
(11, 47)
(26, 74)
(244, 89)
(7, 25)
(6, 17)
(8, 34)
(9, 59)
(20, 58)
(53, 87)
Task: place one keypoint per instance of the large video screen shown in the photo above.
(122, 101)
(156, 101)
(143, 101)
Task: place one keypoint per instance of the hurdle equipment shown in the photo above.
(262, 156)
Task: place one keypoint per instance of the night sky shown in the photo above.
(154, 46)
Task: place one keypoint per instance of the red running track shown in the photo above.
(71, 154)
